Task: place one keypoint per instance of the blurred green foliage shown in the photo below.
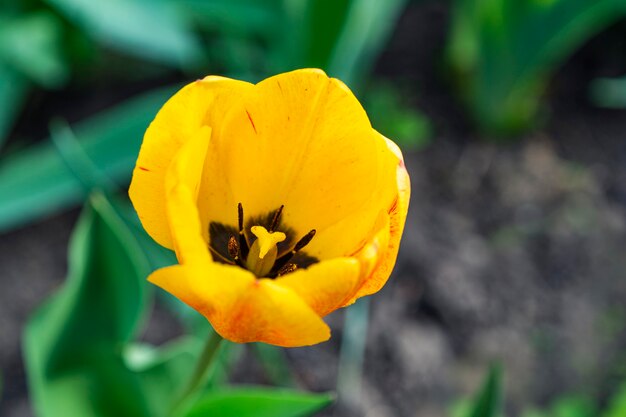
(50, 42)
(259, 402)
(392, 116)
(150, 29)
(341, 36)
(488, 402)
(503, 53)
(29, 52)
(566, 406)
(616, 406)
(73, 343)
(37, 180)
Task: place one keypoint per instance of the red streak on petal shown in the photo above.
(144, 169)
(360, 248)
(251, 121)
(394, 206)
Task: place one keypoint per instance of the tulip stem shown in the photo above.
(201, 371)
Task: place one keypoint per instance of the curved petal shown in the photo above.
(397, 217)
(273, 314)
(182, 180)
(212, 289)
(325, 286)
(364, 223)
(241, 308)
(201, 103)
(303, 140)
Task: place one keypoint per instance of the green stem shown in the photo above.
(207, 358)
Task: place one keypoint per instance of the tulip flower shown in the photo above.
(281, 202)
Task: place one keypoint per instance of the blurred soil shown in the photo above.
(512, 252)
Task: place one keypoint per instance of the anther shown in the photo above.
(276, 219)
(287, 269)
(233, 248)
(282, 262)
(240, 217)
(304, 241)
(243, 243)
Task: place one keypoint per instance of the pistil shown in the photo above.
(263, 252)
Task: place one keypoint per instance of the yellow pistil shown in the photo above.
(263, 252)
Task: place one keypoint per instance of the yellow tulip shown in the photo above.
(281, 202)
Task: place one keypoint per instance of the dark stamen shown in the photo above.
(219, 257)
(304, 241)
(287, 269)
(282, 261)
(240, 217)
(243, 243)
(276, 219)
(233, 248)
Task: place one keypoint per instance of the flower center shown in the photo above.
(264, 251)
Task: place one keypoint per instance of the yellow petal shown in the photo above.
(241, 308)
(397, 217)
(201, 103)
(182, 182)
(364, 223)
(303, 140)
(372, 255)
(273, 314)
(212, 289)
(325, 286)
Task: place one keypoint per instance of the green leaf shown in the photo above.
(157, 255)
(316, 28)
(342, 37)
(37, 181)
(504, 52)
(73, 343)
(30, 48)
(75, 158)
(243, 17)
(259, 402)
(152, 29)
(367, 27)
(488, 401)
(32, 45)
(573, 406)
(163, 372)
(13, 90)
